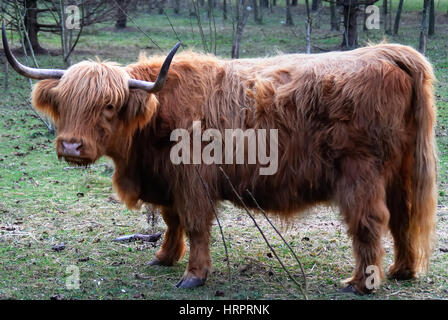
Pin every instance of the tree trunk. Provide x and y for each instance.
(161, 6)
(316, 4)
(364, 22)
(264, 3)
(334, 17)
(241, 15)
(176, 6)
(224, 9)
(294, 3)
(121, 14)
(432, 18)
(384, 16)
(308, 27)
(389, 29)
(423, 28)
(191, 9)
(209, 8)
(32, 28)
(398, 16)
(289, 21)
(256, 9)
(350, 36)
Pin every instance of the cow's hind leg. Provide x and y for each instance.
(398, 201)
(173, 247)
(361, 197)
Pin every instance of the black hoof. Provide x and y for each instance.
(189, 283)
(155, 262)
(349, 289)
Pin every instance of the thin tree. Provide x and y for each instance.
(122, 16)
(424, 27)
(316, 4)
(209, 8)
(316, 7)
(289, 21)
(334, 21)
(257, 9)
(351, 8)
(385, 15)
(31, 25)
(224, 9)
(176, 6)
(389, 31)
(398, 16)
(241, 14)
(309, 23)
(161, 6)
(198, 18)
(432, 18)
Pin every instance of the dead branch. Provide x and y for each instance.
(281, 237)
(262, 234)
(48, 125)
(138, 236)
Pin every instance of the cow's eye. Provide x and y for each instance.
(109, 107)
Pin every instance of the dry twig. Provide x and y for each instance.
(281, 236)
(262, 234)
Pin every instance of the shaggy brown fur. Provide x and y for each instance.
(356, 129)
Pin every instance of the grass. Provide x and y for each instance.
(44, 202)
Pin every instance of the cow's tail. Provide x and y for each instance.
(424, 175)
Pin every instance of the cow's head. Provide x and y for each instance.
(95, 105)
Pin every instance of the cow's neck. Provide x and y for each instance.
(141, 173)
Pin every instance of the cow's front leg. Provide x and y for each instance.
(199, 262)
(173, 247)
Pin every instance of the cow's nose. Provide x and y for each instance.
(71, 148)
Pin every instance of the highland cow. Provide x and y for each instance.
(355, 130)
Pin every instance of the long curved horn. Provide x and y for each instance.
(28, 72)
(161, 78)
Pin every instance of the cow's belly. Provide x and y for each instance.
(288, 199)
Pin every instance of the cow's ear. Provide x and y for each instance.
(139, 109)
(44, 97)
